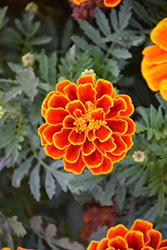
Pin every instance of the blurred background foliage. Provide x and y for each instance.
(38, 199)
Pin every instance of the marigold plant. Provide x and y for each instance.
(18, 248)
(140, 236)
(87, 125)
(108, 3)
(154, 63)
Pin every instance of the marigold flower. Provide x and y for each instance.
(18, 248)
(107, 3)
(140, 236)
(154, 63)
(87, 125)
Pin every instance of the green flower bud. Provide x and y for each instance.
(28, 60)
(32, 6)
(138, 156)
(1, 112)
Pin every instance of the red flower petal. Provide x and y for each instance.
(45, 103)
(154, 54)
(104, 87)
(131, 126)
(40, 131)
(135, 239)
(163, 89)
(119, 230)
(91, 135)
(68, 122)
(54, 152)
(86, 93)
(118, 106)
(154, 239)
(75, 167)
(97, 114)
(120, 145)
(73, 105)
(163, 243)
(49, 132)
(72, 153)
(88, 147)
(85, 79)
(118, 243)
(71, 91)
(57, 101)
(103, 244)
(111, 3)
(143, 226)
(105, 102)
(60, 139)
(130, 108)
(103, 133)
(61, 85)
(116, 158)
(106, 146)
(105, 168)
(93, 245)
(128, 140)
(118, 125)
(77, 138)
(55, 116)
(93, 160)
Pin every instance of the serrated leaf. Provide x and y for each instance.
(102, 22)
(40, 40)
(2, 15)
(158, 119)
(16, 68)
(141, 12)
(152, 213)
(120, 195)
(114, 19)
(20, 26)
(34, 28)
(52, 66)
(161, 201)
(162, 101)
(109, 191)
(34, 182)
(50, 186)
(159, 2)
(113, 67)
(28, 82)
(36, 224)
(99, 234)
(81, 43)
(87, 180)
(142, 111)
(50, 231)
(21, 171)
(66, 244)
(16, 226)
(121, 53)
(140, 127)
(7, 137)
(63, 179)
(12, 93)
(43, 65)
(67, 32)
(125, 14)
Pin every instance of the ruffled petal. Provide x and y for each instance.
(72, 153)
(88, 147)
(118, 125)
(93, 245)
(120, 145)
(103, 133)
(105, 102)
(105, 168)
(77, 138)
(154, 54)
(142, 226)
(135, 240)
(40, 131)
(104, 87)
(128, 140)
(129, 106)
(55, 116)
(60, 139)
(86, 78)
(116, 158)
(91, 135)
(111, 3)
(97, 114)
(61, 85)
(68, 122)
(57, 101)
(131, 128)
(106, 146)
(54, 152)
(49, 132)
(158, 34)
(86, 93)
(163, 243)
(102, 244)
(145, 69)
(118, 106)
(71, 91)
(73, 105)
(163, 89)
(118, 243)
(45, 103)
(93, 160)
(119, 230)
(75, 167)
(154, 239)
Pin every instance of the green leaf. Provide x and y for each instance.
(113, 67)
(74, 217)
(109, 191)
(20, 26)
(142, 13)
(143, 112)
(125, 14)
(12, 93)
(99, 234)
(7, 137)
(114, 19)
(50, 186)
(28, 82)
(52, 66)
(161, 200)
(16, 226)
(16, 68)
(2, 15)
(34, 182)
(159, 2)
(162, 101)
(152, 214)
(63, 178)
(120, 195)
(121, 53)
(34, 28)
(40, 40)
(21, 171)
(64, 243)
(102, 22)
(43, 66)
(81, 43)
(67, 32)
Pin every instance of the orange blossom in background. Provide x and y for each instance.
(107, 3)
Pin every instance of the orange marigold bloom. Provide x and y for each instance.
(87, 125)
(18, 248)
(154, 63)
(107, 3)
(141, 236)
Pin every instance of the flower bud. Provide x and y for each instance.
(1, 112)
(89, 72)
(28, 60)
(138, 156)
(32, 6)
